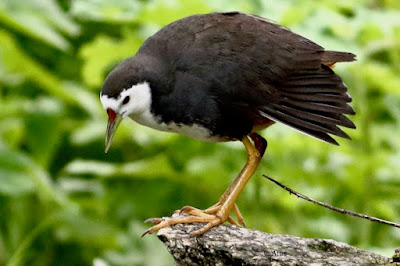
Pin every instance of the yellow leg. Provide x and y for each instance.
(219, 213)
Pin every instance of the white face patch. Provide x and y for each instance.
(138, 108)
(139, 100)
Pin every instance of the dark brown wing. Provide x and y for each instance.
(311, 98)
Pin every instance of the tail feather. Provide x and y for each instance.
(331, 57)
(314, 103)
(316, 107)
(320, 97)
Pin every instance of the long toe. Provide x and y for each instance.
(216, 221)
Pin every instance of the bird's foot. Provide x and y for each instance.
(213, 210)
(200, 217)
(209, 216)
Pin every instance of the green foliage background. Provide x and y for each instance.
(64, 202)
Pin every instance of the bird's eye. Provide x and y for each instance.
(126, 100)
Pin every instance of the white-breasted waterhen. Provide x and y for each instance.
(223, 77)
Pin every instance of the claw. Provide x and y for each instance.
(146, 232)
(154, 220)
(243, 223)
(186, 209)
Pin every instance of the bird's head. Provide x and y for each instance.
(125, 92)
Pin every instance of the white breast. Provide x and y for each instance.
(194, 131)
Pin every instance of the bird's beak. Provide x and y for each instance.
(113, 122)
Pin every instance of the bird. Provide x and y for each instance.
(225, 76)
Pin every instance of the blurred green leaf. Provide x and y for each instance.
(112, 11)
(166, 11)
(375, 73)
(15, 60)
(77, 227)
(90, 131)
(143, 168)
(39, 19)
(12, 131)
(43, 126)
(15, 173)
(368, 33)
(14, 183)
(94, 68)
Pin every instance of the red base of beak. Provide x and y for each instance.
(111, 115)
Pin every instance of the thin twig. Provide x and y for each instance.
(374, 219)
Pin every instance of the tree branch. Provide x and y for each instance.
(333, 208)
(232, 245)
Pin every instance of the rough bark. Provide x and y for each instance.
(231, 245)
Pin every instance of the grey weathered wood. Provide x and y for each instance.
(231, 245)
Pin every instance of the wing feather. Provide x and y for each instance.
(313, 103)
